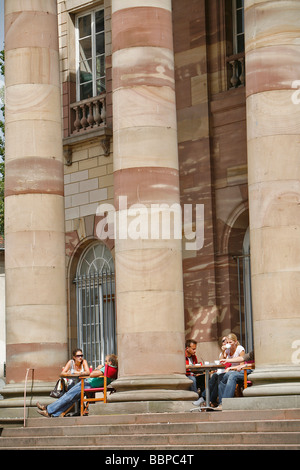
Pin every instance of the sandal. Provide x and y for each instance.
(41, 407)
(44, 413)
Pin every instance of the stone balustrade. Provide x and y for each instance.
(89, 113)
(236, 70)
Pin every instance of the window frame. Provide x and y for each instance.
(93, 55)
(95, 303)
(235, 34)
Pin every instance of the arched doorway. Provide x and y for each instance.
(95, 303)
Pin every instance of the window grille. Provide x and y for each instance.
(245, 295)
(245, 304)
(95, 297)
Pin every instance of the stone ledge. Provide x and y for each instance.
(137, 407)
(281, 402)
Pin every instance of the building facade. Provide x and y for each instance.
(212, 160)
(178, 169)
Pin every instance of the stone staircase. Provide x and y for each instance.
(183, 431)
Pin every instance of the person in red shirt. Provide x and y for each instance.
(190, 359)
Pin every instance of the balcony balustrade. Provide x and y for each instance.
(88, 118)
(236, 70)
(89, 113)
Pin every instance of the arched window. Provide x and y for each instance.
(95, 299)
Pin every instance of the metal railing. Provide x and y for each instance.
(25, 392)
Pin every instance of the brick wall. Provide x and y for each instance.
(89, 179)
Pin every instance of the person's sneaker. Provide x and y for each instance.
(198, 402)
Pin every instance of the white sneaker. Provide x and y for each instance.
(198, 402)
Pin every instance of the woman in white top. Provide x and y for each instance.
(234, 351)
(75, 367)
(235, 355)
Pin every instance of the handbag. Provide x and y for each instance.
(59, 389)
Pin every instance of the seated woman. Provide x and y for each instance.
(234, 376)
(236, 356)
(75, 367)
(95, 380)
(234, 352)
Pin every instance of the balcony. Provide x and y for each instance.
(89, 114)
(236, 70)
(88, 122)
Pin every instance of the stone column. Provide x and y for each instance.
(272, 32)
(34, 209)
(150, 320)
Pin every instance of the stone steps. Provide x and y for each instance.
(160, 441)
(257, 430)
(159, 428)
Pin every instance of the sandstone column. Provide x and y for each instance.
(34, 233)
(150, 322)
(272, 31)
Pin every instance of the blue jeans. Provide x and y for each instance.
(193, 386)
(213, 387)
(228, 383)
(197, 382)
(64, 402)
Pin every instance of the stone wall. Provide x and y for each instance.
(213, 168)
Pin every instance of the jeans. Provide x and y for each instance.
(228, 383)
(193, 386)
(213, 387)
(198, 381)
(64, 402)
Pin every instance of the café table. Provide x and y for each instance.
(207, 368)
